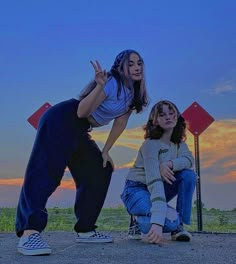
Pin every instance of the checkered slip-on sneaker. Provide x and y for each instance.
(33, 245)
(93, 237)
(181, 235)
(134, 231)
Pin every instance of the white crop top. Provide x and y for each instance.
(112, 106)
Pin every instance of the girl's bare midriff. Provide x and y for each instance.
(93, 122)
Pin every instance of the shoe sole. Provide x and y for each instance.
(135, 237)
(89, 240)
(34, 252)
(182, 238)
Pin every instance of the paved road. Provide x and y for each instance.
(203, 249)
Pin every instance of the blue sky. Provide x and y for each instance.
(45, 48)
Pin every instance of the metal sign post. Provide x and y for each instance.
(198, 183)
(197, 121)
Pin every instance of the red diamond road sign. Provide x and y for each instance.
(34, 118)
(197, 119)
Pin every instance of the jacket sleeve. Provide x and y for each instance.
(184, 159)
(149, 152)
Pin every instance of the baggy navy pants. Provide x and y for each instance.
(63, 140)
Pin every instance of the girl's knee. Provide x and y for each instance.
(136, 200)
(139, 210)
(188, 176)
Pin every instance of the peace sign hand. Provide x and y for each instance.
(100, 75)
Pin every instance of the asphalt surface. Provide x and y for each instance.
(203, 249)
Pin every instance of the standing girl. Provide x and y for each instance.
(161, 171)
(63, 140)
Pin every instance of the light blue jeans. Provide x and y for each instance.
(136, 199)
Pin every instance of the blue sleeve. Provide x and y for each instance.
(110, 87)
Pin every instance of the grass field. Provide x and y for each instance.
(117, 219)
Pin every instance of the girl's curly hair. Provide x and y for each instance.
(154, 131)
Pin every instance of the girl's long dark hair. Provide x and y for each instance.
(140, 98)
(154, 131)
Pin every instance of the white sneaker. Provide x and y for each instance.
(93, 237)
(33, 245)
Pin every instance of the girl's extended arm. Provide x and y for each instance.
(90, 103)
(118, 127)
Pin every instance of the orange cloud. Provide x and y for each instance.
(126, 165)
(65, 184)
(131, 138)
(218, 151)
(228, 177)
(15, 182)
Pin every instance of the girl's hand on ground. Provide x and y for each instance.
(155, 235)
(100, 75)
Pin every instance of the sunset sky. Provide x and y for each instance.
(189, 52)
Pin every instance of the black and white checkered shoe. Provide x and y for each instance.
(33, 245)
(134, 230)
(93, 237)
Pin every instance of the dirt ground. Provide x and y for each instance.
(204, 248)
